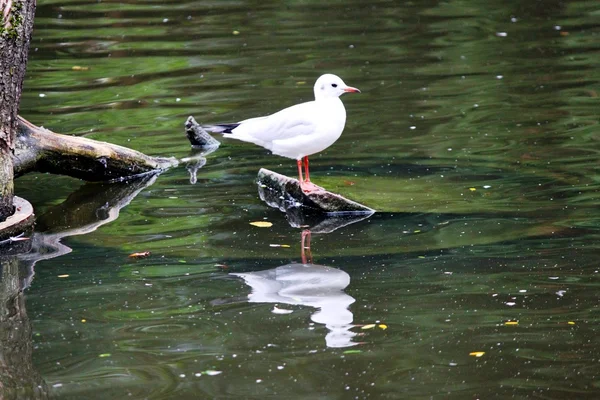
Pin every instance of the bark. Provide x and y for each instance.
(198, 137)
(38, 149)
(16, 25)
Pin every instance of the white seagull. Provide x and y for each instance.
(297, 131)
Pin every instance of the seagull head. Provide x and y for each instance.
(330, 86)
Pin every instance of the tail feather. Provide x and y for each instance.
(221, 128)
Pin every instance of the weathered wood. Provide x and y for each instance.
(198, 137)
(16, 25)
(15, 227)
(285, 193)
(38, 149)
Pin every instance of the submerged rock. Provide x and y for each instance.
(284, 193)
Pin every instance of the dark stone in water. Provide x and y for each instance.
(198, 137)
(321, 210)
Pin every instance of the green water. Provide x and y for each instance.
(475, 138)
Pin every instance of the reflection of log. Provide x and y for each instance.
(285, 193)
(91, 206)
(38, 149)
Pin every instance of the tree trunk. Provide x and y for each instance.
(16, 25)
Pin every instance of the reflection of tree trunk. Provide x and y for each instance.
(16, 25)
(91, 206)
(85, 210)
(18, 379)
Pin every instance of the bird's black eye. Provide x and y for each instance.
(334, 85)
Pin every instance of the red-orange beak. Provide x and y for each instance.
(350, 89)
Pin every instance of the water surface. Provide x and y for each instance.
(475, 138)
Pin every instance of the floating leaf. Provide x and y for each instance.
(84, 321)
(277, 310)
(352, 351)
(63, 276)
(262, 224)
(287, 246)
(104, 355)
(140, 254)
(477, 353)
(212, 372)
(369, 326)
(571, 323)
(79, 68)
(236, 32)
(511, 323)
(382, 326)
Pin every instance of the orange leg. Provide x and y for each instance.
(306, 174)
(299, 162)
(306, 185)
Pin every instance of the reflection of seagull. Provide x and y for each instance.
(310, 285)
(297, 131)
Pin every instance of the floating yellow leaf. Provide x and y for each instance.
(511, 323)
(262, 224)
(477, 353)
(141, 254)
(79, 68)
(285, 245)
(64, 276)
(472, 189)
(571, 323)
(104, 355)
(84, 321)
(383, 326)
(369, 326)
(236, 32)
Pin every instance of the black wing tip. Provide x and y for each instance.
(228, 127)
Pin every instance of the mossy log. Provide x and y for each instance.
(283, 192)
(41, 150)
